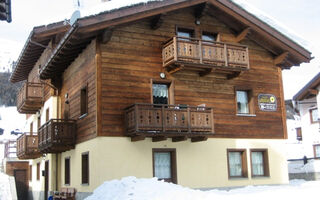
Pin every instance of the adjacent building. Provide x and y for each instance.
(189, 91)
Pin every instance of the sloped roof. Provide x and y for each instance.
(309, 89)
(87, 28)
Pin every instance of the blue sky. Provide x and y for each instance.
(301, 16)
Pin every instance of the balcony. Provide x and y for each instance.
(160, 122)
(205, 56)
(57, 135)
(10, 149)
(30, 98)
(27, 146)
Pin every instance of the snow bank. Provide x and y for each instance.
(131, 188)
(5, 190)
(299, 167)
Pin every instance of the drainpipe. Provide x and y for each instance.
(56, 171)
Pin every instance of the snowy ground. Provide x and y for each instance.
(5, 192)
(131, 188)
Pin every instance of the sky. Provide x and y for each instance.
(300, 16)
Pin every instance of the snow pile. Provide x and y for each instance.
(131, 188)
(299, 167)
(5, 190)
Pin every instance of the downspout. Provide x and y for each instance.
(56, 171)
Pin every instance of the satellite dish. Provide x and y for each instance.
(75, 15)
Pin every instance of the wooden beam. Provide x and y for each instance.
(159, 138)
(206, 72)
(200, 10)
(233, 75)
(178, 68)
(106, 35)
(313, 91)
(199, 139)
(243, 34)
(157, 21)
(281, 58)
(137, 138)
(179, 138)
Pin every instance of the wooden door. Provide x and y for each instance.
(20, 176)
(46, 179)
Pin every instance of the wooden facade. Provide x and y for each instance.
(101, 66)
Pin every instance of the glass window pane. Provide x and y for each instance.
(208, 37)
(242, 102)
(160, 93)
(314, 115)
(162, 165)
(235, 164)
(317, 150)
(257, 163)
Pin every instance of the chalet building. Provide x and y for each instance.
(189, 91)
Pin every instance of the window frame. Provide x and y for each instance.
(244, 166)
(191, 30)
(215, 36)
(251, 104)
(47, 114)
(31, 128)
(30, 172)
(299, 133)
(67, 171)
(38, 171)
(85, 174)
(266, 170)
(315, 150)
(84, 101)
(173, 161)
(311, 118)
(170, 84)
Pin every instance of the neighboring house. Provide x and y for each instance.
(188, 91)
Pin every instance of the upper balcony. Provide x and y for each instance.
(30, 98)
(178, 122)
(27, 146)
(57, 135)
(205, 56)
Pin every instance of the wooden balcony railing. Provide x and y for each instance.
(10, 149)
(30, 98)
(27, 146)
(204, 56)
(57, 135)
(178, 122)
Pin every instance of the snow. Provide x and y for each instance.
(132, 188)
(299, 167)
(5, 190)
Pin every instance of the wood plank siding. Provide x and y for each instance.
(133, 57)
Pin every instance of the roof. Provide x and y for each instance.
(309, 90)
(86, 28)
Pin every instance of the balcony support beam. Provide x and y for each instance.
(159, 138)
(243, 34)
(137, 138)
(199, 139)
(179, 139)
(206, 72)
(281, 58)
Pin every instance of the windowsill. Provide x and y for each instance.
(67, 184)
(260, 177)
(83, 116)
(238, 178)
(246, 115)
(85, 184)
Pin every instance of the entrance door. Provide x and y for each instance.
(20, 176)
(46, 179)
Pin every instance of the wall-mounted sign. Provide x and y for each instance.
(267, 102)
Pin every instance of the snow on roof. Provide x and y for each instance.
(146, 189)
(278, 26)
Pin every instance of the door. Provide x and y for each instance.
(46, 179)
(20, 176)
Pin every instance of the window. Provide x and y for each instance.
(259, 162)
(316, 149)
(164, 164)
(31, 127)
(299, 134)
(38, 171)
(47, 114)
(237, 163)
(209, 36)
(185, 33)
(85, 168)
(67, 171)
(84, 101)
(30, 172)
(244, 101)
(314, 115)
(39, 121)
(162, 92)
